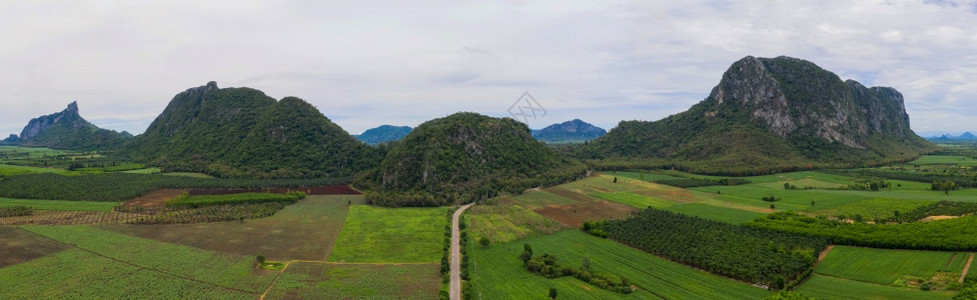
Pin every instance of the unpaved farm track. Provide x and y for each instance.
(455, 287)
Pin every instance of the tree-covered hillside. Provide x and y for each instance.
(68, 130)
(768, 115)
(241, 132)
(463, 158)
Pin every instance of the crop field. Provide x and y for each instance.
(9, 170)
(391, 235)
(502, 223)
(77, 274)
(305, 230)
(18, 246)
(715, 212)
(823, 287)
(222, 269)
(59, 204)
(498, 273)
(889, 266)
(958, 160)
(357, 281)
(875, 208)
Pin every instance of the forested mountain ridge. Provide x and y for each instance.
(462, 158)
(241, 132)
(67, 130)
(574, 131)
(765, 115)
(384, 134)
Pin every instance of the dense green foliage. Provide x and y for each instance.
(462, 158)
(547, 265)
(697, 182)
(124, 186)
(756, 255)
(14, 211)
(942, 208)
(68, 130)
(241, 132)
(500, 274)
(207, 213)
(252, 198)
(384, 134)
(726, 134)
(948, 235)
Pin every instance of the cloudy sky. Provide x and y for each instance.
(368, 63)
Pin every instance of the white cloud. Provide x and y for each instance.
(366, 64)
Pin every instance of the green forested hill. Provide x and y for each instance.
(241, 132)
(384, 134)
(462, 158)
(68, 130)
(767, 115)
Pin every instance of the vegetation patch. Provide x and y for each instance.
(390, 235)
(77, 274)
(357, 281)
(766, 257)
(245, 198)
(18, 246)
(547, 265)
(958, 234)
(502, 223)
(305, 230)
(824, 287)
(889, 266)
(227, 270)
(497, 272)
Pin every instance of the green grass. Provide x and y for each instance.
(635, 200)
(823, 287)
(10, 170)
(234, 271)
(871, 209)
(59, 204)
(886, 266)
(498, 273)
(507, 222)
(76, 274)
(716, 213)
(143, 171)
(391, 235)
(357, 281)
(944, 160)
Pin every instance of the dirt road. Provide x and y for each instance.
(456, 254)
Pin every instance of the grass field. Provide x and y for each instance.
(498, 273)
(227, 270)
(76, 274)
(391, 235)
(823, 287)
(716, 213)
(502, 223)
(944, 160)
(18, 246)
(305, 230)
(871, 209)
(357, 281)
(59, 204)
(9, 170)
(888, 266)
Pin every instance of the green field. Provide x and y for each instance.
(888, 266)
(9, 170)
(498, 274)
(715, 213)
(77, 274)
(59, 204)
(871, 209)
(507, 222)
(635, 200)
(357, 281)
(215, 268)
(823, 287)
(944, 160)
(391, 235)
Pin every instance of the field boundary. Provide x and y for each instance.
(966, 268)
(73, 246)
(322, 262)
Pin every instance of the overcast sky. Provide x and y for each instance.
(364, 64)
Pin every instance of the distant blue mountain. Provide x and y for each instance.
(383, 134)
(575, 131)
(966, 136)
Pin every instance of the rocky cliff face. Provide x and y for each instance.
(69, 116)
(781, 111)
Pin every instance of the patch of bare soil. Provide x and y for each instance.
(574, 215)
(154, 199)
(19, 246)
(937, 218)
